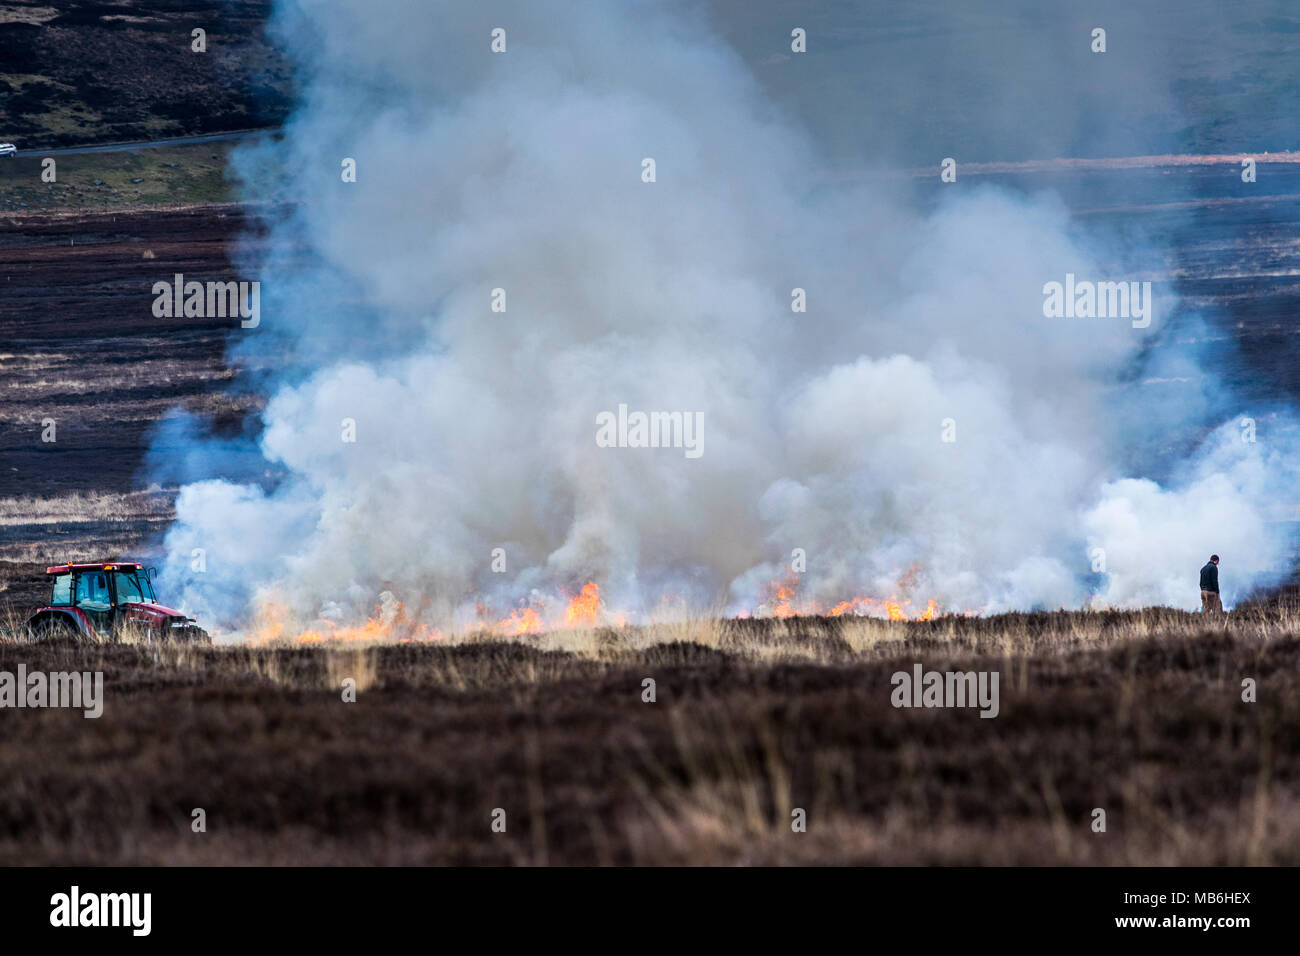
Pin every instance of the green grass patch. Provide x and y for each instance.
(164, 176)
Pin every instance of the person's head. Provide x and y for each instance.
(1214, 559)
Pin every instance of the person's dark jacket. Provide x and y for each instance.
(1210, 577)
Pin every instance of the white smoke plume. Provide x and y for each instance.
(822, 430)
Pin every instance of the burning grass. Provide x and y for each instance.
(827, 639)
(584, 610)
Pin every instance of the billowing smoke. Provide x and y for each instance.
(921, 431)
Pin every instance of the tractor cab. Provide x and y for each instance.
(104, 593)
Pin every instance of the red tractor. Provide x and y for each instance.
(109, 602)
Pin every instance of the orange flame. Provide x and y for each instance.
(389, 622)
(857, 605)
(778, 599)
(524, 620)
(584, 608)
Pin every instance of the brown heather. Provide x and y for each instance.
(1139, 713)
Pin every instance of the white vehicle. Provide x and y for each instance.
(8, 149)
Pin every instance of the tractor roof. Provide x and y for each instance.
(101, 566)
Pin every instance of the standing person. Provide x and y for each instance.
(1210, 586)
